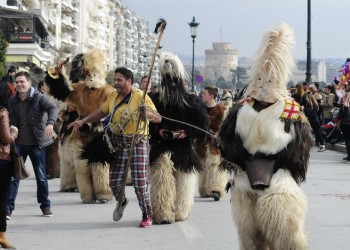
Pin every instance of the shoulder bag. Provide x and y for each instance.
(19, 169)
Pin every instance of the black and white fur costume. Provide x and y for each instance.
(86, 91)
(174, 163)
(257, 128)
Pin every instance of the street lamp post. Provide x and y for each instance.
(308, 43)
(193, 26)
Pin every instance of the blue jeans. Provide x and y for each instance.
(37, 156)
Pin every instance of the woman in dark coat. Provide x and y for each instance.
(344, 116)
(7, 136)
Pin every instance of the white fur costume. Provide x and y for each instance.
(68, 182)
(211, 178)
(268, 126)
(174, 162)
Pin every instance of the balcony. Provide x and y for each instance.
(66, 39)
(98, 14)
(101, 27)
(67, 22)
(43, 13)
(101, 41)
(22, 37)
(37, 53)
(92, 26)
(67, 6)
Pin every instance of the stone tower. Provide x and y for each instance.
(219, 61)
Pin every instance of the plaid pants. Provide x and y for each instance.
(138, 167)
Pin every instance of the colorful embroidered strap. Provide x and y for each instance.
(291, 110)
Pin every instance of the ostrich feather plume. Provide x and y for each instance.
(273, 65)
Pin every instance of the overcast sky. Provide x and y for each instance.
(243, 23)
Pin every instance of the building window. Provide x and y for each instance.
(12, 3)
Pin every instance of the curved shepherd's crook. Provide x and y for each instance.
(160, 27)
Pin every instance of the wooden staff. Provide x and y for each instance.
(160, 27)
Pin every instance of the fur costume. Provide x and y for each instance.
(52, 158)
(226, 100)
(268, 127)
(174, 162)
(68, 182)
(212, 179)
(87, 93)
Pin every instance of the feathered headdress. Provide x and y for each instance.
(273, 65)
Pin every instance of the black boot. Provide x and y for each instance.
(347, 145)
(215, 195)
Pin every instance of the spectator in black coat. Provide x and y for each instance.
(344, 117)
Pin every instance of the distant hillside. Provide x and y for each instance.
(187, 59)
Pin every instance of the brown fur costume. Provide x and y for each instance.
(87, 93)
(174, 162)
(52, 160)
(269, 127)
(211, 179)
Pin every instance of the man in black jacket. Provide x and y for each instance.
(34, 116)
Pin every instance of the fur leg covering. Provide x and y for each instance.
(274, 217)
(100, 180)
(185, 189)
(243, 209)
(202, 181)
(84, 180)
(52, 160)
(163, 190)
(68, 181)
(212, 178)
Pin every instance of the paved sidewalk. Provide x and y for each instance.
(339, 147)
(80, 226)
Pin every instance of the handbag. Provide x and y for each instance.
(19, 169)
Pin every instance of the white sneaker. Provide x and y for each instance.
(322, 148)
(119, 210)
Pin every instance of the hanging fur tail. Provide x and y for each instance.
(4, 242)
(273, 65)
(97, 150)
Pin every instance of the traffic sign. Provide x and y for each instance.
(198, 79)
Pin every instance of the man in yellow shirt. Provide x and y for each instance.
(124, 104)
